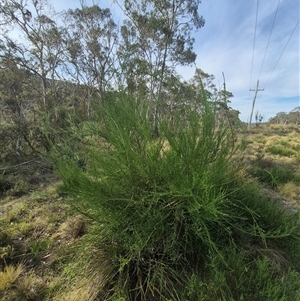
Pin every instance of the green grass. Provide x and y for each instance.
(296, 148)
(39, 234)
(275, 175)
(260, 139)
(280, 150)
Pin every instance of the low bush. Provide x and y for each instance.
(5, 185)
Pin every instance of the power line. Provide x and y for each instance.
(282, 52)
(254, 43)
(269, 38)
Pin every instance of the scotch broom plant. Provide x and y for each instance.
(168, 209)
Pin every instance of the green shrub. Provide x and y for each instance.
(171, 210)
(20, 188)
(5, 185)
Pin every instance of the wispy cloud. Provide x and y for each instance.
(225, 44)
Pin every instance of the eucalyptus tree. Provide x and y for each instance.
(294, 116)
(207, 80)
(33, 41)
(91, 40)
(136, 61)
(219, 97)
(160, 33)
(39, 47)
(15, 101)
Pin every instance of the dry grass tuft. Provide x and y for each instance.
(290, 190)
(82, 293)
(14, 211)
(29, 287)
(83, 288)
(72, 228)
(276, 258)
(9, 276)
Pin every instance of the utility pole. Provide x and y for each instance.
(253, 104)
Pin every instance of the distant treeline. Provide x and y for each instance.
(293, 117)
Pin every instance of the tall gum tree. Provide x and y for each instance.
(15, 101)
(91, 41)
(40, 48)
(218, 97)
(163, 36)
(31, 54)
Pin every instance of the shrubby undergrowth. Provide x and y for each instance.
(175, 219)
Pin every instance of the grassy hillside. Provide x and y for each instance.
(272, 157)
(47, 249)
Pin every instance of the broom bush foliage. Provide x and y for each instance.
(173, 217)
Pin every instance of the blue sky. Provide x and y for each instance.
(225, 44)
